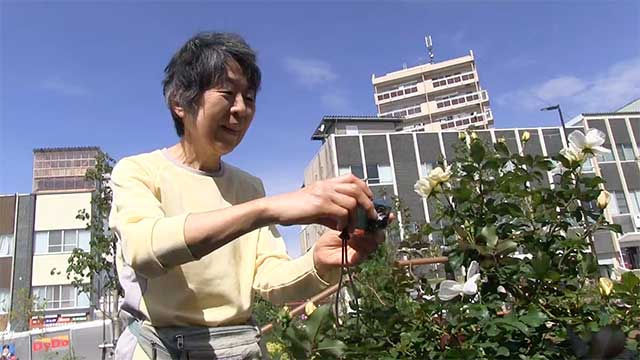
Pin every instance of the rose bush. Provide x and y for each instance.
(523, 281)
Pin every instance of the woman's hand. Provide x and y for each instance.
(331, 202)
(328, 249)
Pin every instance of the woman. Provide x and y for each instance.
(197, 235)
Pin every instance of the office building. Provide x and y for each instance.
(435, 96)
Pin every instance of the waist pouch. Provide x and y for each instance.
(237, 342)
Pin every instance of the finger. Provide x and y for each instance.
(350, 178)
(348, 203)
(363, 200)
(363, 242)
(339, 215)
(392, 217)
(355, 257)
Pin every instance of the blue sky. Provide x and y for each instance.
(78, 74)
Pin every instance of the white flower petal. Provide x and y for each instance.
(474, 269)
(578, 139)
(594, 138)
(423, 187)
(599, 150)
(449, 289)
(470, 288)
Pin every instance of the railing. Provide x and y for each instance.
(461, 99)
(333, 289)
(404, 112)
(401, 91)
(453, 79)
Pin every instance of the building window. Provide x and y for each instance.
(379, 174)
(635, 201)
(606, 157)
(4, 300)
(625, 152)
(587, 166)
(61, 241)
(425, 169)
(618, 204)
(352, 129)
(352, 169)
(55, 297)
(6, 245)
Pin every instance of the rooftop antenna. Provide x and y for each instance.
(429, 43)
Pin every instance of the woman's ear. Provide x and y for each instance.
(178, 110)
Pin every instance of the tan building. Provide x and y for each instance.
(62, 169)
(38, 232)
(442, 95)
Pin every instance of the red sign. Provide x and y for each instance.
(56, 320)
(46, 343)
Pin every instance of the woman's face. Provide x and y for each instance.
(223, 115)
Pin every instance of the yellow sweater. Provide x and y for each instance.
(163, 282)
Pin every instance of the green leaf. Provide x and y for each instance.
(510, 321)
(630, 280)
(506, 208)
(491, 330)
(589, 264)
(534, 317)
(331, 347)
(462, 194)
(616, 228)
(564, 161)
(546, 165)
(506, 245)
(317, 321)
(489, 234)
(469, 168)
(491, 164)
(300, 343)
(502, 351)
(541, 264)
(477, 151)
(501, 148)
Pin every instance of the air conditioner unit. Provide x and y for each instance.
(636, 220)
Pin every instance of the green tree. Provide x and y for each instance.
(98, 264)
(25, 307)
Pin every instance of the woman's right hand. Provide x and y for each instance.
(332, 202)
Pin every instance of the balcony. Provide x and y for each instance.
(458, 101)
(452, 81)
(399, 93)
(463, 122)
(408, 112)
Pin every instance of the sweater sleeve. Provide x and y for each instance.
(278, 278)
(151, 242)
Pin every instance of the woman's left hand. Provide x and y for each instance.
(328, 249)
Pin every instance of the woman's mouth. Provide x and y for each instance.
(230, 130)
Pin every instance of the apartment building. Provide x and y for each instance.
(437, 96)
(38, 231)
(391, 161)
(621, 170)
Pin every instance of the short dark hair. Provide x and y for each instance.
(202, 63)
